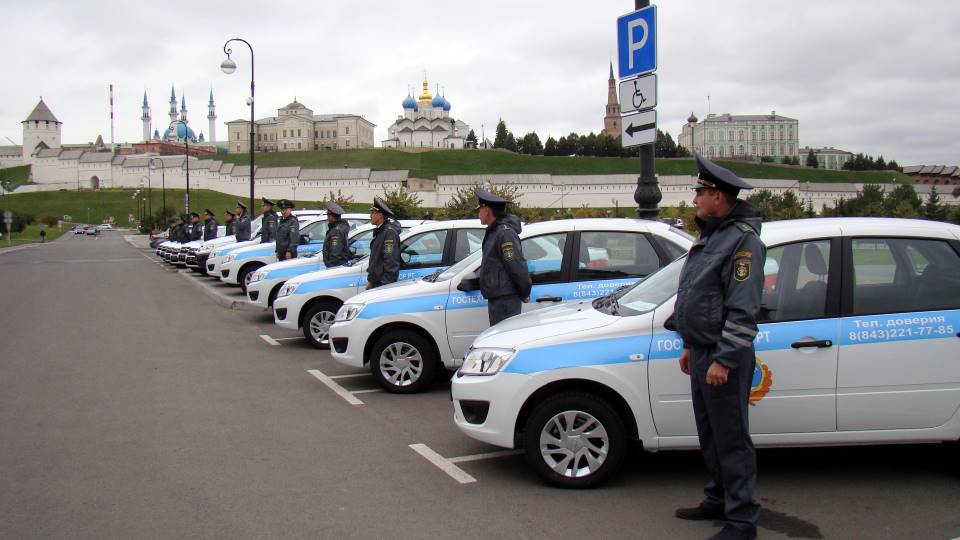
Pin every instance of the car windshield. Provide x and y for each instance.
(643, 296)
(459, 267)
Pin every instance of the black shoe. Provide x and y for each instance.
(729, 532)
(699, 513)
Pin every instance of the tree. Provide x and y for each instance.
(956, 192)
(903, 202)
(607, 145)
(879, 164)
(812, 159)
(664, 146)
(511, 142)
(472, 138)
(405, 205)
(564, 148)
(934, 209)
(892, 165)
(809, 211)
(531, 144)
(501, 139)
(682, 151)
(340, 198)
(463, 203)
(588, 145)
(550, 147)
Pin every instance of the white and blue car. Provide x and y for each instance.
(858, 343)
(405, 334)
(311, 301)
(265, 283)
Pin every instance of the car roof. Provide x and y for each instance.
(777, 232)
(426, 226)
(596, 224)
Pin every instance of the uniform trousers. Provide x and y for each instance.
(503, 307)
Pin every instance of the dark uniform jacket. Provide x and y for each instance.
(209, 229)
(243, 227)
(503, 271)
(288, 236)
(336, 252)
(195, 232)
(384, 264)
(268, 231)
(720, 287)
(231, 227)
(181, 233)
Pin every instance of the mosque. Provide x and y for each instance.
(178, 130)
(426, 123)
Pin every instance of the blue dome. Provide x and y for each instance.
(446, 105)
(180, 132)
(437, 101)
(409, 103)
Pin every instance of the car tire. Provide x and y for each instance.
(317, 321)
(403, 362)
(574, 462)
(245, 274)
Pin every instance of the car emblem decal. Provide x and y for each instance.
(761, 383)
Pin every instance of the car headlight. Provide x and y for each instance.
(214, 254)
(257, 276)
(485, 361)
(348, 312)
(287, 289)
(229, 258)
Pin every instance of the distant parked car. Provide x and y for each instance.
(91, 231)
(105, 227)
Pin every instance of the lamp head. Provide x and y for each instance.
(228, 66)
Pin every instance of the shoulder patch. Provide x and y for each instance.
(506, 251)
(742, 266)
(388, 246)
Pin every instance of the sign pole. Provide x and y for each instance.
(647, 195)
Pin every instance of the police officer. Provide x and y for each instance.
(336, 252)
(209, 225)
(172, 229)
(243, 223)
(288, 232)
(229, 223)
(269, 226)
(195, 232)
(183, 229)
(384, 264)
(504, 278)
(715, 313)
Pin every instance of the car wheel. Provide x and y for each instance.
(403, 362)
(246, 273)
(316, 323)
(574, 440)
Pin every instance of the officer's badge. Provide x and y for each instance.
(761, 383)
(388, 246)
(506, 249)
(741, 266)
(335, 241)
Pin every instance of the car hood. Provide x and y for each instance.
(326, 273)
(219, 241)
(265, 246)
(293, 267)
(553, 322)
(401, 289)
(239, 245)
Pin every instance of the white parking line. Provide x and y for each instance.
(331, 384)
(369, 391)
(367, 374)
(443, 464)
(270, 340)
(489, 455)
(288, 338)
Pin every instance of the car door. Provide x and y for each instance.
(899, 349)
(794, 376)
(422, 254)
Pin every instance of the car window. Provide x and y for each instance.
(468, 241)
(356, 222)
(612, 255)
(360, 244)
(423, 250)
(893, 275)
(795, 282)
(674, 251)
(544, 255)
(315, 231)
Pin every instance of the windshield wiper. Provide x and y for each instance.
(609, 303)
(433, 277)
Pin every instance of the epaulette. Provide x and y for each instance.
(745, 228)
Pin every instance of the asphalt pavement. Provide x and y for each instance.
(133, 404)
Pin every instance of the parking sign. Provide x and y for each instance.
(637, 42)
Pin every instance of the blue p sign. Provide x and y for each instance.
(637, 42)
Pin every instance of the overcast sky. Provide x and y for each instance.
(879, 77)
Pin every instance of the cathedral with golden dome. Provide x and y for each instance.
(426, 123)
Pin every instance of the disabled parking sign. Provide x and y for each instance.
(637, 42)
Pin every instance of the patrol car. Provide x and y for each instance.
(858, 343)
(238, 267)
(216, 256)
(311, 301)
(266, 282)
(406, 334)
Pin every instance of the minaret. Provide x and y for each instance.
(173, 106)
(183, 108)
(212, 118)
(611, 121)
(146, 118)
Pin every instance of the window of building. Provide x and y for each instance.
(730, 135)
(314, 134)
(742, 151)
(334, 133)
(740, 135)
(753, 150)
(284, 146)
(236, 135)
(348, 142)
(299, 146)
(348, 130)
(298, 133)
(284, 133)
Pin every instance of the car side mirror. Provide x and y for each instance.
(470, 282)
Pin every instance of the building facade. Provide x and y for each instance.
(296, 128)
(426, 123)
(827, 158)
(611, 119)
(40, 130)
(934, 174)
(752, 136)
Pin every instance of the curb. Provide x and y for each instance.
(223, 300)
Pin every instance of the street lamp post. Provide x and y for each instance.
(149, 198)
(186, 155)
(228, 66)
(163, 180)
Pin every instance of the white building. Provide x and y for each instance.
(296, 128)
(426, 123)
(827, 158)
(749, 136)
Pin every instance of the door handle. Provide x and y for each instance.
(549, 299)
(818, 343)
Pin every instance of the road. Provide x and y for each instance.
(133, 405)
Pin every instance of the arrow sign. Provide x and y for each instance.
(638, 94)
(638, 128)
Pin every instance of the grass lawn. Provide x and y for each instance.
(442, 162)
(31, 235)
(13, 177)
